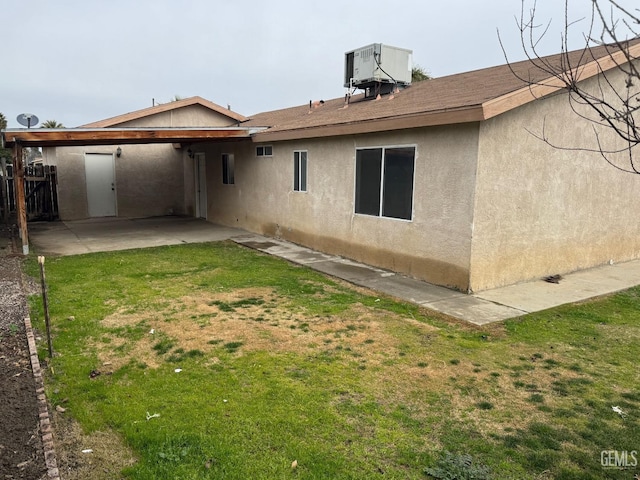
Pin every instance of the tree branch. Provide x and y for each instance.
(613, 106)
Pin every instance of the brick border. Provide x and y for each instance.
(46, 428)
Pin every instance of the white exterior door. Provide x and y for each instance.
(101, 184)
(201, 186)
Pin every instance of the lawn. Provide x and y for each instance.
(214, 361)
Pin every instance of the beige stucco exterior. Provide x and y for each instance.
(150, 180)
(493, 204)
(194, 115)
(542, 210)
(435, 245)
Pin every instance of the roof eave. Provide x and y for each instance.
(552, 84)
(427, 119)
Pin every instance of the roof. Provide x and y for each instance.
(466, 97)
(165, 107)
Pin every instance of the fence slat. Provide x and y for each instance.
(41, 196)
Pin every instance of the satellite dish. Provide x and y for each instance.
(28, 120)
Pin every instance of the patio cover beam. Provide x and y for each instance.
(69, 137)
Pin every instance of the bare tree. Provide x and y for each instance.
(607, 36)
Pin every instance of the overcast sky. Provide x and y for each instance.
(79, 61)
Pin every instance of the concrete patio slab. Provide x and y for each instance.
(109, 234)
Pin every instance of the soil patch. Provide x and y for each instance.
(21, 452)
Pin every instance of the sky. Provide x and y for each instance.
(79, 61)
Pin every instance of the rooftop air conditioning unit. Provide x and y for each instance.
(377, 65)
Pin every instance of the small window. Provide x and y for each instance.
(300, 171)
(264, 151)
(228, 176)
(384, 182)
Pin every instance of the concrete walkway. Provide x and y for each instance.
(480, 308)
(72, 238)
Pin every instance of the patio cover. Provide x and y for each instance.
(67, 137)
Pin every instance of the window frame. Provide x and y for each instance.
(261, 151)
(383, 170)
(300, 175)
(228, 169)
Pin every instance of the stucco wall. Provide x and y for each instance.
(542, 210)
(149, 180)
(434, 246)
(189, 116)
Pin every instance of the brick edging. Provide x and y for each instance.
(43, 411)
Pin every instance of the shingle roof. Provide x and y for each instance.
(470, 96)
(165, 107)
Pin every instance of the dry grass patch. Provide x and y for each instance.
(96, 456)
(616, 333)
(115, 352)
(256, 318)
(480, 390)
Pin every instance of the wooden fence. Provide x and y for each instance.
(40, 191)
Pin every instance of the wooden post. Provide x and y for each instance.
(4, 191)
(45, 303)
(21, 208)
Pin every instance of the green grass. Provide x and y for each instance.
(279, 363)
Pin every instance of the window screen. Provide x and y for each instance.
(300, 171)
(368, 174)
(264, 151)
(384, 182)
(228, 174)
(397, 192)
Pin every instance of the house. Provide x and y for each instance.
(443, 181)
(135, 180)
